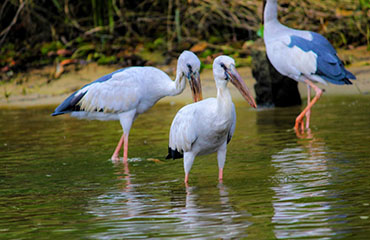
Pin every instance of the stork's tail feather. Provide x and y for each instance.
(350, 75)
(174, 154)
(56, 113)
(347, 81)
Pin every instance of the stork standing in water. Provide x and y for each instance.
(126, 93)
(303, 56)
(207, 126)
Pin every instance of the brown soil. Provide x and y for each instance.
(36, 89)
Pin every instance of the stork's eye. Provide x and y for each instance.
(223, 66)
(190, 68)
(227, 77)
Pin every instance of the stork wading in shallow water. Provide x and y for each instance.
(303, 56)
(126, 93)
(207, 126)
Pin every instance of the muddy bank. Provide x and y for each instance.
(36, 89)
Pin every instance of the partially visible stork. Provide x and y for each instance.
(126, 93)
(303, 56)
(207, 126)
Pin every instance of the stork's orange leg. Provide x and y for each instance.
(115, 155)
(308, 113)
(123, 141)
(299, 119)
(186, 179)
(220, 174)
(125, 148)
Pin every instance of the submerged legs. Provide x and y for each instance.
(188, 163)
(115, 155)
(307, 111)
(221, 158)
(126, 119)
(123, 141)
(125, 148)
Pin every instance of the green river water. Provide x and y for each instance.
(57, 180)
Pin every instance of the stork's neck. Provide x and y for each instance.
(271, 12)
(272, 27)
(224, 101)
(179, 82)
(178, 85)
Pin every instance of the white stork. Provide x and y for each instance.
(126, 93)
(207, 126)
(303, 56)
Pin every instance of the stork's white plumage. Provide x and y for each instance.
(207, 126)
(303, 56)
(126, 93)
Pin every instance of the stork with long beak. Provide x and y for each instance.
(304, 56)
(126, 93)
(207, 126)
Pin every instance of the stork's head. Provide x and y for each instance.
(188, 66)
(224, 71)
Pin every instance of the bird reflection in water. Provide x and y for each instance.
(303, 201)
(207, 220)
(136, 208)
(123, 173)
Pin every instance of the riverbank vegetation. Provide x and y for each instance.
(35, 33)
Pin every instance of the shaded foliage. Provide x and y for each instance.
(32, 32)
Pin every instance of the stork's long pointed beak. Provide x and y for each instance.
(196, 87)
(238, 82)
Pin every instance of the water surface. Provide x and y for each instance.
(56, 179)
